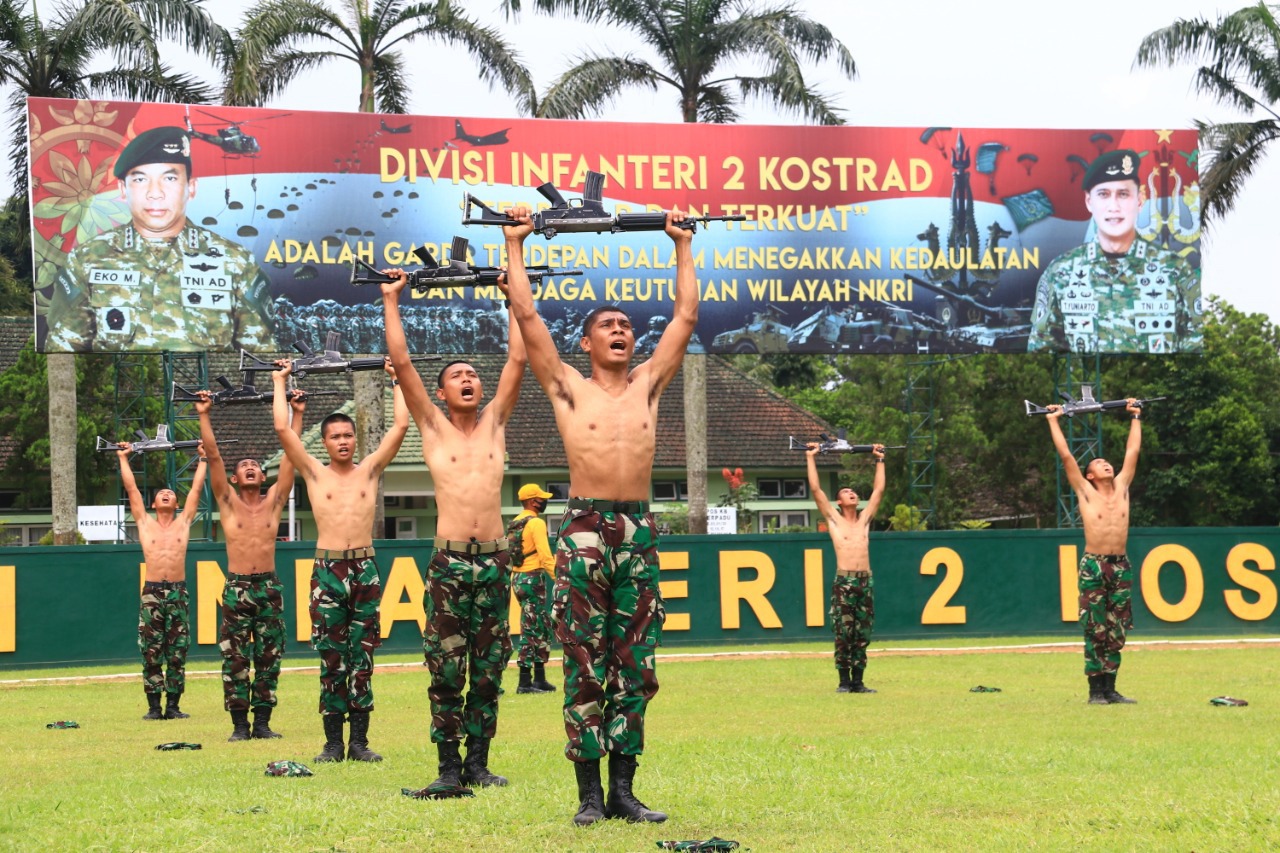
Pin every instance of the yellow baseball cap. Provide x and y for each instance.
(532, 490)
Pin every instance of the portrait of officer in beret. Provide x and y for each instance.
(1117, 293)
(160, 282)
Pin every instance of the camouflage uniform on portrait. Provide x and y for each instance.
(346, 598)
(197, 291)
(252, 631)
(466, 643)
(853, 615)
(607, 613)
(164, 636)
(1147, 301)
(1106, 610)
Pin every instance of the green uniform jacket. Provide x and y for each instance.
(194, 292)
(1146, 301)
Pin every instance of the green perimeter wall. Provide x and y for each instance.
(78, 604)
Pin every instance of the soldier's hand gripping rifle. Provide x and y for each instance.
(1086, 405)
(329, 361)
(231, 395)
(839, 444)
(586, 215)
(160, 444)
(454, 274)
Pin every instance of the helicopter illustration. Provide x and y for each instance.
(233, 141)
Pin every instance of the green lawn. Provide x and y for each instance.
(757, 749)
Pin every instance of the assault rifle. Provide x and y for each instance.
(160, 444)
(231, 395)
(329, 361)
(457, 272)
(1086, 405)
(827, 444)
(586, 215)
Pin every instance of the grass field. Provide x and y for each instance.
(759, 749)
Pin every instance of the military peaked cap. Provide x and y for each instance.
(1120, 165)
(157, 145)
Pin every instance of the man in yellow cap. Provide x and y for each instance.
(532, 564)
(161, 282)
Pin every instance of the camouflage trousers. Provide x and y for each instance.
(252, 631)
(346, 596)
(535, 616)
(466, 643)
(853, 615)
(164, 635)
(1106, 609)
(607, 613)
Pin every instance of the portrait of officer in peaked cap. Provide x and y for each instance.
(1117, 293)
(159, 282)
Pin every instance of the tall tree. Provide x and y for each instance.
(1239, 58)
(696, 45)
(283, 39)
(94, 48)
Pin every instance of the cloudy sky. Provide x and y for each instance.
(983, 63)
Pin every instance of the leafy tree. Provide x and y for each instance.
(96, 48)
(696, 45)
(283, 39)
(1240, 67)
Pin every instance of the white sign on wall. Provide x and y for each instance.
(100, 523)
(722, 519)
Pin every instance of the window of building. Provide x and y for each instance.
(559, 490)
(670, 490)
(778, 520)
(782, 489)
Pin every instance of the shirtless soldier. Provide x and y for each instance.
(1105, 578)
(468, 582)
(346, 592)
(252, 598)
(163, 632)
(853, 609)
(607, 609)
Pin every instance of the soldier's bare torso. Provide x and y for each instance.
(343, 501)
(609, 433)
(164, 546)
(465, 467)
(850, 538)
(1105, 515)
(250, 529)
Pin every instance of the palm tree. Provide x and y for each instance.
(1241, 69)
(56, 59)
(694, 42)
(283, 39)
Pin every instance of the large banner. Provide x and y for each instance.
(169, 227)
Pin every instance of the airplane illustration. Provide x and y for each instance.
(404, 128)
(498, 137)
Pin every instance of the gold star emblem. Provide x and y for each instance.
(1164, 136)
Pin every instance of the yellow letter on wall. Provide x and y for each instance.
(815, 603)
(8, 608)
(1185, 560)
(1068, 582)
(209, 584)
(1250, 552)
(401, 580)
(674, 561)
(734, 590)
(302, 598)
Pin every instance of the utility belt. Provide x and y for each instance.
(623, 507)
(1106, 558)
(349, 554)
(853, 573)
(162, 586)
(471, 548)
(233, 577)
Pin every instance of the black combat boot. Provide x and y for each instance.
(172, 711)
(332, 738)
(1109, 690)
(590, 792)
(1097, 693)
(540, 683)
(262, 724)
(526, 681)
(239, 726)
(845, 686)
(858, 686)
(358, 749)
(475, 768)
(451, 767)
(153, 708)
(622, 802)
